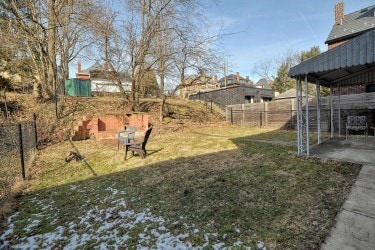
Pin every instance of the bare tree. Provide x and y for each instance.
(34, 23)
(264, 69)
(47, 31)
(77, 28)
(156, 31)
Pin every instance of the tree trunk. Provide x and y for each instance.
(135, 98)
(51, 88)
(162, 82)
(5, 104)
(37, 90)
(161, 114)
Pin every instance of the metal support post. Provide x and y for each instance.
(339, 110)
(331, 107)
(318, 120)
(307, 117)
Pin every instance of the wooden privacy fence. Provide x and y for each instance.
(282, 113)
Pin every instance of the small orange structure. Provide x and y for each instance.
(106, 127)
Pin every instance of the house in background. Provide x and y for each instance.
(239, 94)
(197, 83)
(233, 80)
(264, 84)
(345, 28)
(104, 80)
(234, 89)
(288, 95)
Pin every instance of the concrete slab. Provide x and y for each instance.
(352, 231)
(367, 174)
(361, 200)
(355, 223)
(356, 151)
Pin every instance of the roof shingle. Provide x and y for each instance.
(354, 24)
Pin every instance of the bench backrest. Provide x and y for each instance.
(358, 121)
(131, 132)
(147, 135)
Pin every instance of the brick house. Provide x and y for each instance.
(345, 28)
(233, 80)
(197, 83)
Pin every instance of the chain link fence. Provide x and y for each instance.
(18, 145)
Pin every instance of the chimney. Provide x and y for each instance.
(238, 77)
(247, 79)
(215, 78)
(339, 13)
(105, 65)
(79, 67)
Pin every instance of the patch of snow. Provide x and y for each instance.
(218, 246)
(108, 224)
(31, 226)
(261, 246)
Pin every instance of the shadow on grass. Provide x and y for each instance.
(83, 158)
(258, 192)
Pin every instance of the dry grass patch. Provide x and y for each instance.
(211, 187)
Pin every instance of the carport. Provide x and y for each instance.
(349, 64)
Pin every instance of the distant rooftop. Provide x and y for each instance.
(96, 66)
(353, 24)
(264, 83)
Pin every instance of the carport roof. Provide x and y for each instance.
(344, 63)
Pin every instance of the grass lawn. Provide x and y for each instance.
(198, 188)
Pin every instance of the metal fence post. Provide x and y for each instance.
(35, 131)
(21, 151)
(211, 105)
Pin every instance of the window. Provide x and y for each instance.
(266, 99)
(370, 88)
(249, 99)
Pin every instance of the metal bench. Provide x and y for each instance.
(356, 123)
(126, 135)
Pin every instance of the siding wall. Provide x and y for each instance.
(233, 95)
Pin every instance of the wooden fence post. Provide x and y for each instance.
(266, 114)
(231, 115)
(243, 114)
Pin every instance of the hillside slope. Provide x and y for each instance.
(177, 113)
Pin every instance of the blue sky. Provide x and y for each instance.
(267, 29)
